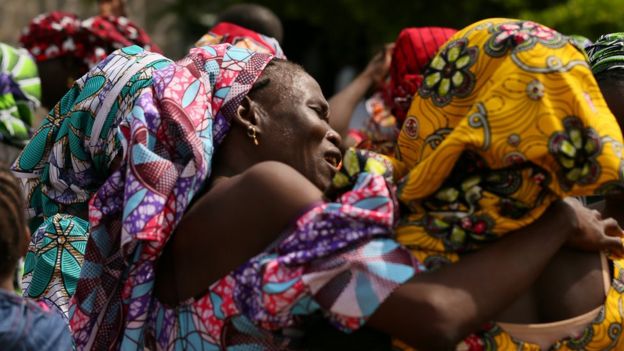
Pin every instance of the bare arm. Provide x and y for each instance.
(435, 311)
(344, 102)
(236, 220)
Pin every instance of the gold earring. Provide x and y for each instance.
(70, 82)
(251, 132)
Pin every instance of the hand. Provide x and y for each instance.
(379, 66)
(593, 233)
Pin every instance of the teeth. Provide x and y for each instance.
(332, 161)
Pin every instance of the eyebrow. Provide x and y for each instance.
(323, 105)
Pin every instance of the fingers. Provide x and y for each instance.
(612, 246)
(612, 228)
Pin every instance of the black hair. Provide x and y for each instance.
(255, 17)
(12, 222)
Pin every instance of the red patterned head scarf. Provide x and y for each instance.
(413, 50)
(61, 34)
(242, 37)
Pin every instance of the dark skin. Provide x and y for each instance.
(57, 76)
(271, 184)
(612, 90)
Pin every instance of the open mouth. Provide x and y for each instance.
(333, 159)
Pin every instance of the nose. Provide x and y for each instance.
(334, 138)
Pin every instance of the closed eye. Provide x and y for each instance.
(322, 111)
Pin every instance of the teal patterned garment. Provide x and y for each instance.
(20, 95)
(67, 159)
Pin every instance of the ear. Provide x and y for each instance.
(248, 113)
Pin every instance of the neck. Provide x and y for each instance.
(233, 157)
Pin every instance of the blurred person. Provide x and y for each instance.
(24, 324)
(116, 8)
(65, 47)
(20, 95)
(248, 26)
(404, 61)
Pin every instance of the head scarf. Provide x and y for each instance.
(508, 119)
(607, 53)
(20, 94)
(61, 34)
(414, 48)
(230, 33)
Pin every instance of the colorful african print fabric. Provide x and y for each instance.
(607, 53)
(20, 95)
(67, 160)
(61, 34)
(168, 139)
(508, 119)
(338, 259)
(230, 33)
(414, 48)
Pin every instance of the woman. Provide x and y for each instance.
(151, 171)
(508, 119)
(231, 33)
(405, 61)
(65, 47)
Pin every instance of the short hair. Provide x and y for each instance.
(276, 69)
(255, 17)
(12, 222)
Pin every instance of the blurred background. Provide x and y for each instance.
(332, 39)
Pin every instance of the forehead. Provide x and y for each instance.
(294, 86)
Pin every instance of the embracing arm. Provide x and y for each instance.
(436, 310)
(236, 220)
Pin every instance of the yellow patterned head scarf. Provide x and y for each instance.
(509, 118)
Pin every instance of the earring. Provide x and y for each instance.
(70, 82)
(251, 132)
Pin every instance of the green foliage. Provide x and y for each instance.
(325, 35)
(590, 18)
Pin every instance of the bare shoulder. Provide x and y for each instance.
(279, 182)
(232, 222)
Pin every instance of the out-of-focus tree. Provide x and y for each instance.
(325, 35)
(590, 18)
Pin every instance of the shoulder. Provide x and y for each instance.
(33, 327)
(281, 183)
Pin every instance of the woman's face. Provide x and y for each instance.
(297, 130)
